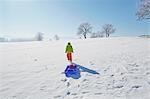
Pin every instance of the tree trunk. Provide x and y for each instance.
(85, 36)
(106, 34)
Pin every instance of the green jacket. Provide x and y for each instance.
(69, 49)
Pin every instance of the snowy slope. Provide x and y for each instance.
(34, 70)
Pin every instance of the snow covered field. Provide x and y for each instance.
(34, 70)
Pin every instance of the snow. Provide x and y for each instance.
(34, 70)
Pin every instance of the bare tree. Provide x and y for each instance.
(56, 37)
(97, 35)
(84, 29)
(39, 36)
(143, 10)
(108, 29)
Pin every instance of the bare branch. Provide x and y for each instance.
(108, 29)
(144, 10)
(84, 29)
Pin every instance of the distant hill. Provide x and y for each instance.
(145, 36)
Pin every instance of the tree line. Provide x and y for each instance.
(85, 28)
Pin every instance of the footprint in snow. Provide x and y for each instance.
(64, 80)
(134, 65)
(98, 93)
(74, 94)
(112, 75)
(5, 89)
(14, 96)
(58, 96)
(136, 86)
(85, 80)
(78, 86)
(121, 73)
(35, 59)
(68, 84)
(38, 71)
(91, 63)
(62, 72)
(121, 86)
(43, 87)
(85, 92)
(68, 93)
(107, 68)
(147, 73)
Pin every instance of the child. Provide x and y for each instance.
(69, 51)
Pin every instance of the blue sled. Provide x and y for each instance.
(73, 72)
